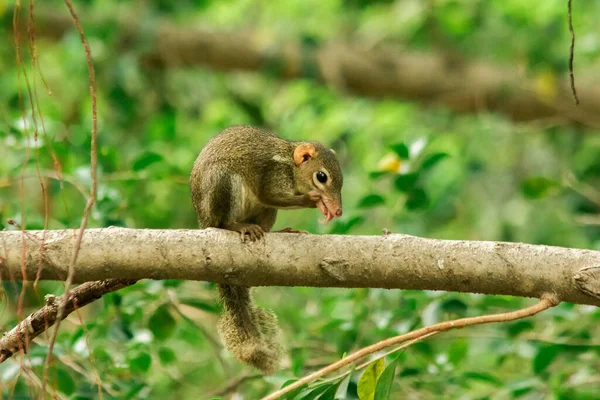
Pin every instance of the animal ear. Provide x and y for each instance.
(333, 151)
(304, 152)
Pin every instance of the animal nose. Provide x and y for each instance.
(338, 212)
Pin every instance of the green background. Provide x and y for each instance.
(477, 176)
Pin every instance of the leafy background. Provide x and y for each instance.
(409, 168)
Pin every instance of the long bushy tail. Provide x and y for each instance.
(249, 332)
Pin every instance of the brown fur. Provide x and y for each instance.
(239, 180)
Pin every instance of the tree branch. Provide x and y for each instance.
(19, 338)
(387, 71)
(284, 259)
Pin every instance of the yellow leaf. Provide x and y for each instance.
(545, 85)
(368, 380)
(390, 163)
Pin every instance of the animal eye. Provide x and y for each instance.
(321, 177)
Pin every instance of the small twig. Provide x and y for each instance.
(34, 381)
(586, 219)
(92, 198)
(92, 377)
(92, 359)
(547, 301)
(588, 191)
(8, 181)
(571, 56)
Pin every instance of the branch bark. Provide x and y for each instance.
(463, 86)
(284, 259)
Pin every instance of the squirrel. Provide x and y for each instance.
(239, 180)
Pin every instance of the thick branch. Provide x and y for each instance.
(464, 86)
(284, 259)
(22, 335)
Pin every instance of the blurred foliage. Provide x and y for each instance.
(414, 170)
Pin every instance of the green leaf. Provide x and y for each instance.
(522, 387)
(292, 395)
(371, 200)
(483, 377)
(454, 306)
(108, 157)
(544, 358)
(378, 174)
(172, 283)
(161, 323)
(76, 336)
(406, 182)
(298, 357)
(117, 299)
(134, 390)
(329, 393)
(401, 150)
(210, 306)
(341, 392)
(316, 391)
(410, 372)
(368, 380)
(538, 187)
(458, 351)
(432, 159)
(166, 355)
(145, 160)
(65, 382)
(102, 355)
(417, 199)
(384, 383)
(141, 362)
(425, 349)
(519, 327)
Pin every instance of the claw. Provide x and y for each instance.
(253, 232)
(248, 232)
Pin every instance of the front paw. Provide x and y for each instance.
(313, 195)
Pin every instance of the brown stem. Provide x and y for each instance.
(571, 55)
(546, 301)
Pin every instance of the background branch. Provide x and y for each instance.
(383, 71)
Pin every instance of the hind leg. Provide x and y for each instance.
(266, 218)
